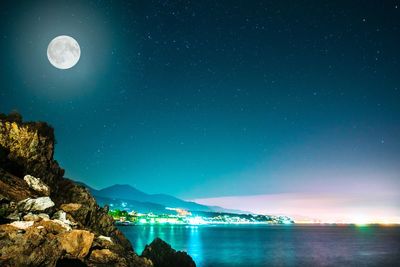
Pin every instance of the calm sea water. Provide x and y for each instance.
(280, 245)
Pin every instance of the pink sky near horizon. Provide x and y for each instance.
(325, 207)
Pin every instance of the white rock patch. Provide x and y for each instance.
(63, 224)
(37, 184)
(22, 224)
(107, 238)
(36, 204)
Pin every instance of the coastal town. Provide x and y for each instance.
(185, 217)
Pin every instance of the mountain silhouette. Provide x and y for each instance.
(123, 195)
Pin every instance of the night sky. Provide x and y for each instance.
(209, 99)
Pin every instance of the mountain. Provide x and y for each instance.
(135, 198)
(126, 204)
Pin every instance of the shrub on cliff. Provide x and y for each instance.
(42, 128)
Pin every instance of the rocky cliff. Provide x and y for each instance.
(46, 219)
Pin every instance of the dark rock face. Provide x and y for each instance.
(163, 255)
(28, 148)
(65, 228)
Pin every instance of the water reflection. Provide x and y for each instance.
(259, 246)
(195, 245)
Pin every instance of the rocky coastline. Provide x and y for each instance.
(48, 220)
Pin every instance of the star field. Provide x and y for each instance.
(204, 98)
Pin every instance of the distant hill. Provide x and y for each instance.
(123, 196)
(125, 204)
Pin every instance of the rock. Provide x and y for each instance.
(44, 216)
(89, 213)
(105, 238)
(13, 188)
(61, 217)
(53, 227)
(22, 224)
(70, 207)
(104, 256)
(163, 255)
(28, 247)
(32, 217)
(77, 242)
(28, 148)
(36, 204)
(103, 242)
(8, 211)
(37, 185)
(15, 216)
(66, 226)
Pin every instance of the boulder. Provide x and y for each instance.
(163, 255)
(37, 185)
(76, 243)
(35, 204)
(32, 217)
(104, 256)
(70, 207)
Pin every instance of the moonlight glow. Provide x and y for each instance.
(63, 52)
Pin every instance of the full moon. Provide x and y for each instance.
(63, 52)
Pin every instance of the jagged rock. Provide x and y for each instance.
(32, 247)
(14, 188)
(22, 224)
(163, 255)
(77, 242)
(35, 204)
(104, 256)
(37, 185)
(29, 149)
(89, 214)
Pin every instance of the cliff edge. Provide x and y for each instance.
(48, 220)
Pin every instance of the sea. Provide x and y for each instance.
(276, 245)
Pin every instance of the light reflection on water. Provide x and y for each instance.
(266, 245)
(195, 245)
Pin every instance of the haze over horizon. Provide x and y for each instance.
(222, 102)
